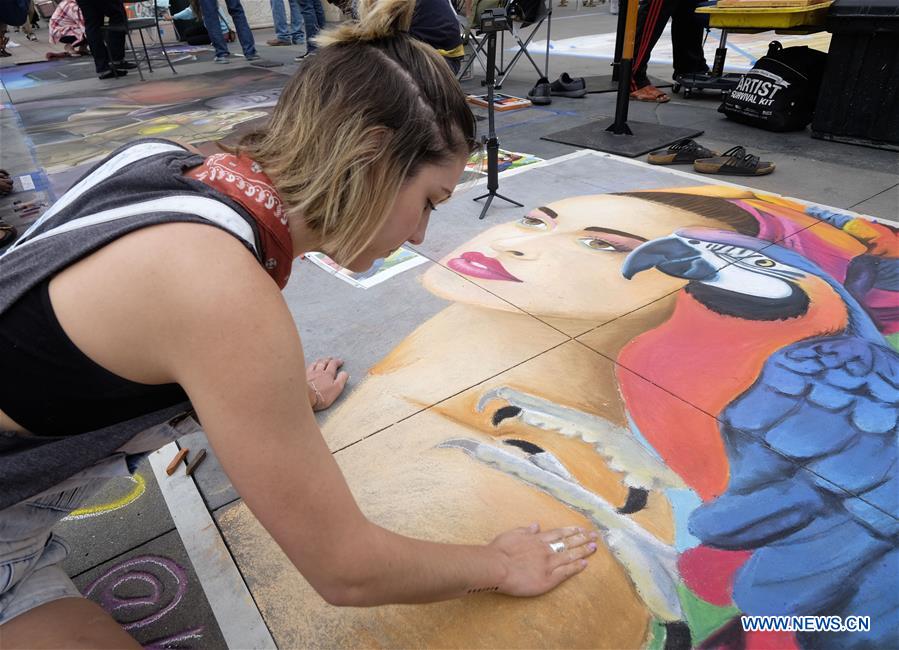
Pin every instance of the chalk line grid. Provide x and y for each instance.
(235, 611)
(233, 606)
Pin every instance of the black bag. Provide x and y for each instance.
(779, 93)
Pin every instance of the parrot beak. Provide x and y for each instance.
(671, 255)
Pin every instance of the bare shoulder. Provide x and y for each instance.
(157, 293)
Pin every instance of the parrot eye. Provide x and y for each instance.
(765, 263)
(532, 222)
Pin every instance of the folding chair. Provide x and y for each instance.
(526, 15)
(139, 23)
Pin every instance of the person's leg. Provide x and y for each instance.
(28, 26)
(686, 37)
(93, 25)
(210, 11)
(651, 19)
(242, 27)
(118, 27)
(3, 40)
(297, 27)
(279, 18)
(65, 623)
(319, 13)
(310, 22)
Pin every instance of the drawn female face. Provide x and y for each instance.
(564, 260)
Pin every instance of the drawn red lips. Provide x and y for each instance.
(477, 265)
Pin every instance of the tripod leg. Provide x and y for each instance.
(486, 206)
(508, 200)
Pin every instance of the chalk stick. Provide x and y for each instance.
(176, 461)
(192, 465)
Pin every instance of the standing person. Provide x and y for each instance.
(31, 23)
(686, 38)
(115, 331)
(287, 34)
(319, 13)
(67, 27)
(311, 25)
(209, 13)
(12, 12)
(107, 43)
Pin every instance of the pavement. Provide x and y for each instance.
(142, 547)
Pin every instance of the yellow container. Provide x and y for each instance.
(765, 17)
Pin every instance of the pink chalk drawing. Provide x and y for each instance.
(167, 581)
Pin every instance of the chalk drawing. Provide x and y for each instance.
(140, 486)
(167, 582)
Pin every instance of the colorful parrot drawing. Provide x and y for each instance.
(798, 472)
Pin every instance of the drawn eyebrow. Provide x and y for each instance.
(549, 212)
(610, 231)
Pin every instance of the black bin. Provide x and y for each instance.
(859, 98)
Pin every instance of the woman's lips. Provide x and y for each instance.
(477, 265)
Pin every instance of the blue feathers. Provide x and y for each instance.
(813, 447)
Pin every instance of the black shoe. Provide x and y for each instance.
(566, 86)
(539, 94)
(124, 65)
(112, 72)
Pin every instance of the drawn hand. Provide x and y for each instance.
(532, 568)
(329, 383)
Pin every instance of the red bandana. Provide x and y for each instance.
(242, 180)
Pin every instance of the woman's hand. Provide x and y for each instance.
(325, 382)
(532, 567)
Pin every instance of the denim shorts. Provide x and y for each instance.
(31, 553)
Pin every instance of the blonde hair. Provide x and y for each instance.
(361, 117)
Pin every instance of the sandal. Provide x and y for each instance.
(683, 152)
(7, 234)
(734, 162)
(650, 93)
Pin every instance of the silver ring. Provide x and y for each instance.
(557, 547)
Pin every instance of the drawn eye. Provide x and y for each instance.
(596, 244)
(765, 263)
(533, 222)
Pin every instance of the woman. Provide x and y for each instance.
(109, 328)
(67, 27)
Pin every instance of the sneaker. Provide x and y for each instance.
(222, 58)
(540, 93)
(112, 72)
(276, 42)
(252, 57)
(124, 65)
(566, 86)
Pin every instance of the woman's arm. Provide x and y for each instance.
(235, 349)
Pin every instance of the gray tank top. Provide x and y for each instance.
(138, 185)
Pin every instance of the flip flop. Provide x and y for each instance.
(650, 93)
(680, 153)
(734, 162)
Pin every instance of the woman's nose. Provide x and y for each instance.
(522, 248)
(418, 236)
